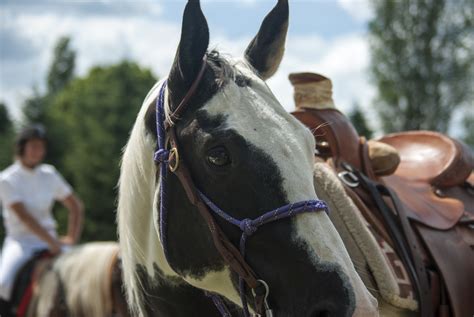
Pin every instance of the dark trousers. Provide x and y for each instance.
(5, 309)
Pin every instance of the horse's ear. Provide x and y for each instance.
(265, 51)
(192, 47)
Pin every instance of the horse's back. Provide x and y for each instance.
(86, 272)
(81, 280)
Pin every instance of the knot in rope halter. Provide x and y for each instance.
(248, 227)
(161, 156)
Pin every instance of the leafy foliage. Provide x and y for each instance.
(6, 137)
(34, 108)
(360, 123)
(37, 108)
(422, 61)
(62, 69)
(6, 147)
(468, 123)
(5, 121)
(97, 113)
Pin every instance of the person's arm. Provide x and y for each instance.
(32, 224)
(75, 219)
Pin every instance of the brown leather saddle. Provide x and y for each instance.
(432, 166)
(428, 203)
(119, 298)
(25, 281)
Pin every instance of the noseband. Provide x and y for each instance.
(167, 155)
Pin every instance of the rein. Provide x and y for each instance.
(167, 156)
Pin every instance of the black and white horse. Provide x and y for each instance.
(249, 156)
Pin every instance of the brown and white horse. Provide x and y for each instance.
(85, 281)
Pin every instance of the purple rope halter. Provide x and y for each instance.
(247, 226)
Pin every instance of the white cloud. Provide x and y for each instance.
(358, 9)
(242, 2)
(152, 43)
(344, 60)
(97, 40)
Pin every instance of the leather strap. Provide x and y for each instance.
(176, 114)
(227, 250)
(367, 213)
(334, 134)
(405, 242)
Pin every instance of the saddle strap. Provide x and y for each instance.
(405, 240)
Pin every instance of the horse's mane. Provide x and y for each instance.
(222, 65)
(136, 191)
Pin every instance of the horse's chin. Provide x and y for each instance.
(362, 311)
(366, 303)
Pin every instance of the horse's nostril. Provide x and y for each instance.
(321, 313)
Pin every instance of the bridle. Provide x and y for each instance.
(167, 155)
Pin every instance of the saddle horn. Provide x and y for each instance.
(190, 53)
(265, 51)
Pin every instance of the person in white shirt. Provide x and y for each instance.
(28, 189)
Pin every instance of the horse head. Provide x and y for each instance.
(248, 156)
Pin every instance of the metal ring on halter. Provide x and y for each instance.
(268, 310)
(173, 154)
(265, 285)
(349, 178)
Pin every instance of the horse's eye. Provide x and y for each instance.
(218, 156)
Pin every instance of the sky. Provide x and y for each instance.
(325, 36)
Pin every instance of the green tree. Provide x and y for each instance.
(360, 123)
(6, 137)
(6, 148)
(61, 71)
(34, 108)
(37, 108)
(97, 113)
(422, 61)
(468, 125)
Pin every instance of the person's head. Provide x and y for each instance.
(31, 145)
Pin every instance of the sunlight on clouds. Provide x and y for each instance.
(243, 2)
(358, 9)
(344, 60)
(152, 42)
(98, 40)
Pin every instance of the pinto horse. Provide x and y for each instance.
(241, 155)
(85, 281)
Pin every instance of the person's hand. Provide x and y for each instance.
(67, 240)
(55, 247)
